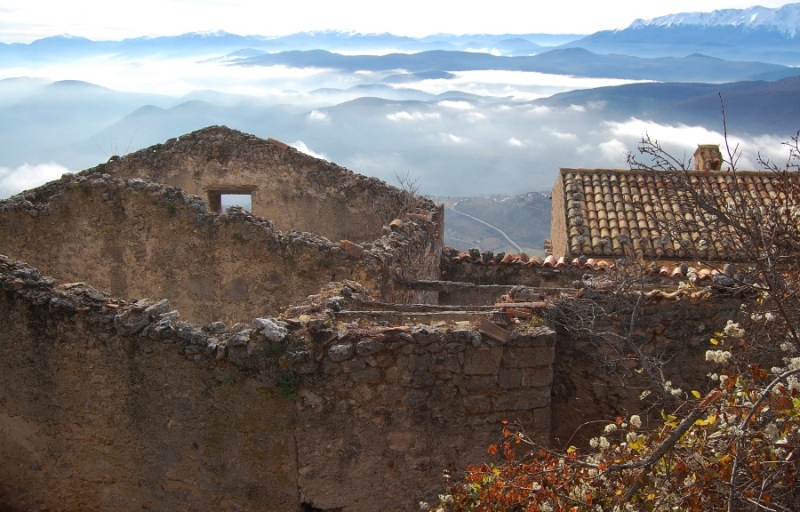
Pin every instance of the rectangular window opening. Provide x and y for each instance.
(220, 199)
(243, 200)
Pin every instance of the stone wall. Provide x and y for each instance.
(294, 190)
(143, 239)
(114, 405)
(595, 375)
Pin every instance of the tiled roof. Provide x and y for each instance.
(609, 212)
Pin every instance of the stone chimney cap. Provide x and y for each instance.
(707, 157)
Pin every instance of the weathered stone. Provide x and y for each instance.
(187, 331)
(274, 330)
(536, 377)
(381, 360)
(331, 368)
(478, 404)
(415, 399)
(454, 348)
(369, 347)
(341, 352)
(137, 317)
(216, 328)
(476, 339)
(401, 441)
(398, 374)
(422, 380)
(240, 339)
(528, 357)
(480, 384)
(302, 362)
(510, 378)
(529, 398)
(445, 363)
(419, 362)
(483, 362)
(425, 334)
(353, 365)
(13, 284)
(368, 375)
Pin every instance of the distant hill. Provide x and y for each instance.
(525, 218)
(751, 107)
(223, 43)
(569, 61)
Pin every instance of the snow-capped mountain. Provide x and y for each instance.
(785, 20)
(754, 34)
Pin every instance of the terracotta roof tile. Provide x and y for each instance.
(611, 211)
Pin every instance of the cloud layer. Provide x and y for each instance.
(25, 177)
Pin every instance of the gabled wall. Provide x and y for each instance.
(294, 190)
(141, 239)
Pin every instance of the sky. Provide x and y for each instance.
(28, 20)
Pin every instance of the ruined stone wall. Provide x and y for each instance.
(143, 239)
(294, 190)
(113, 405)
(593, 374)
(503, 270)
(92, 420)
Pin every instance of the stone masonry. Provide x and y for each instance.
(136, 238)
(108, 404)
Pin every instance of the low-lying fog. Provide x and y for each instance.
(469, 133)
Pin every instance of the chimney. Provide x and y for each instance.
(707, 158)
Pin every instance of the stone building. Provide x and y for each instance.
(322, 352)
(160, 353)
(131, 228)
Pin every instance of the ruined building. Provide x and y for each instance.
(322, 352)
(143, 367)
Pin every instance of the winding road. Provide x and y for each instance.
(512, 242)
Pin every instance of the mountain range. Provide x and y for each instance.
(467, 114)
(753, 34)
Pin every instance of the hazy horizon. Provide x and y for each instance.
(460, 132)
(28, 20)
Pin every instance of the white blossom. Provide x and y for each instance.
(733, 330)
(718, 356)
(636, 421)
(611, 427)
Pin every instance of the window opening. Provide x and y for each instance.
(219, 199)
(243, 200)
